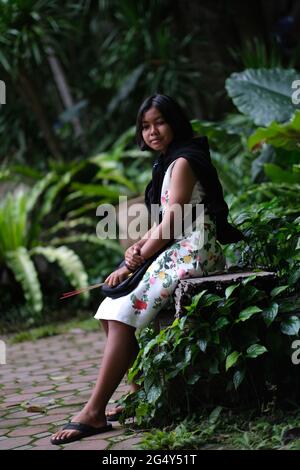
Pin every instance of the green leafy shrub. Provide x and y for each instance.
(269, 216)
(226, 350)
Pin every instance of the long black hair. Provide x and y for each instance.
(171, 112)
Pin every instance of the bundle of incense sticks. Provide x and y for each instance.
(80, 291)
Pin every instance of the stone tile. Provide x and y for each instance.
(43, 441)
(10, 389)
(11, 443)
(43, 434)
(60, 411)
(60, 423)
(79, 379)
(20, 397)
(46, 447)
(12, 414)
(38, 389)
(10, 423)
(24, 448)
(110, 434)
(91, 377)
(53, 419)
(73, 401)
(28, 431)
(127, 444)
(66, 388)
(63, 409)
(55, 395)
(87, 444)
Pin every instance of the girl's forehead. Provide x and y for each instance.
(152, 113)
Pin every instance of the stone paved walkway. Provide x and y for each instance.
(55, 375)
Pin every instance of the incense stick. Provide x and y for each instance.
(80, 291)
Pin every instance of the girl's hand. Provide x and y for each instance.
(116, 277)
(133, 257)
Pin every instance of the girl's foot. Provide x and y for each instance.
(114, 413)
(84, 417)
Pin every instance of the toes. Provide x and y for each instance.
(62, 435)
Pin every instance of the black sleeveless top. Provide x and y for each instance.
(196, 151)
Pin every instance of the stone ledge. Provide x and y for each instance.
(216, 283)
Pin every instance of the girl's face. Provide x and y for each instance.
(156, 132)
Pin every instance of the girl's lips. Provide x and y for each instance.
(155, 141)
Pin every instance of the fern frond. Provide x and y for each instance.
(70, 225)
(110, 244)
(69, 262)
(25, 273)
(38, 190)
(13, 219)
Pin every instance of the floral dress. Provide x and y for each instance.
(191, 256)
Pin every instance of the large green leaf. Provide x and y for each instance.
(69, 262)
(290, 326)
(278, 175)
(232, 359)
(263, 94)
(286, 136)
(247, 313)
(25, 273)
(238, 377)
(270, 313)
(255, 350)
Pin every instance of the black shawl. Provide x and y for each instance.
(196, 152)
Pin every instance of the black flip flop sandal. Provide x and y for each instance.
(84, 431)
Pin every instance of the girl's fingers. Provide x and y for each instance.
(135, 260)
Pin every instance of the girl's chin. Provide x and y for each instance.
(157, 146)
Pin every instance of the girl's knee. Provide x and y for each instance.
(117, 325)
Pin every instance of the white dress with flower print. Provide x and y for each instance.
(195, 255)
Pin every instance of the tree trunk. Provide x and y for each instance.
(28, 90)
(63, 88)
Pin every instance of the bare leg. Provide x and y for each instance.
(105, 326)
(133, 386)
(113, 412)
(119, 354)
